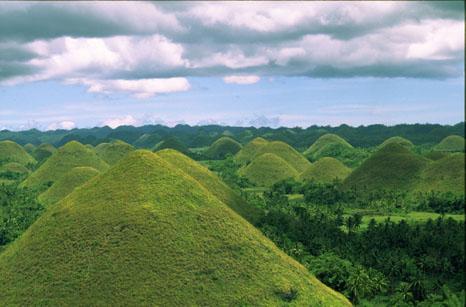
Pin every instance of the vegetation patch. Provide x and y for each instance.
(43, 152)
(171, 143)
(12, 152)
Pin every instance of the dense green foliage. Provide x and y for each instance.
(325, 170)
(146, 233)
(222, 147)
(451, 143)
(12, 152)
(113, 152)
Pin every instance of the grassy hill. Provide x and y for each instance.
(43, 152)
(436, 155)
(222, 147)
(66, 184)
(397, 140)
(147, 140)
(287, 153)
(70, 155)
(328, 145)
(172, 143)
(145, 233)
(325, 170)
(250, 150)
(29, 148)
(392, 167)
(451, 143)
(12, 152)
(12, 171)
(211, 182)
(267, 169)
(114, 151)
(444, 175)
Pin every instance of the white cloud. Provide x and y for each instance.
(120, 121)
(141, 89)
(250, 79)
(66, 124)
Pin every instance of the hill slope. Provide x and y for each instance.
(145, 233)
(70, 155)
(397, 140)
(211, 182)
(325, 170)
(12, 152)
(451, 143)
(171, 143)
(250, 150)
(43, 152)
(222, 147)
(267, 169)
(113, 152)
(287, 153)
(65, 185)
(328, 145)
(393, 167)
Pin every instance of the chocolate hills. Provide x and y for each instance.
(250, 150)
(328, 145)
(66, 184)
(325, 170)
(451, 143)
(398, 140)
(392, 167)
(70, 155)
(146, 233)
(114, 151)
(12, 152)
(172, 143)
(43, 152)
(267, 169)
(222, 147)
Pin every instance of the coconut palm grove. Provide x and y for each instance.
(232, 153)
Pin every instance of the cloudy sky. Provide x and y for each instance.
(65, 65)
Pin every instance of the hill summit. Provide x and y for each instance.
(12, 152)
(326, 169)
(328, 145)
(145, 233)
(222, 147)
(268, 169)
(451, 143)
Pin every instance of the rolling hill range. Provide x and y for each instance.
(451, 143)
(267, 169)
(328, 145)
(12, 152)
(222, 147)
(114, 151)
(67, 157)
(392, 167)
(325, 170)
(66, 184)
(146, 233)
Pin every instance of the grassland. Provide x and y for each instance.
(12, 152)
(451, 143)
(250, 150)
(328, 145)
(222, 147)
(397, 140)
(325, 170)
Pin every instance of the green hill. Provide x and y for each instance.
(29, 148)
(287, 153)
(267, 169)
(328, 145)
(250, 150)
(392, 167)
(145, 233)
(12, 172)
(70, 155)
(43, 152)
(147, 140)
(444, 175)
(12, 152)
(211, 182)
(171, 143)
(325, 170)
(114, 151)
(451, 143)
(222, 147)
(398, 140)
(436, 155)
(65, 185)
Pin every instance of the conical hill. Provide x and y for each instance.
(328, 145)
(145, 233)
(12, 152)
(325, 170)
(223, 147)
(114, 151)
(451, 143)
(250, 150)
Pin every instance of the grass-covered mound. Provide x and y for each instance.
(222, 147)
(328, 145)
(29, 148)
(145, 233)
(451, 143)
(325, 170)
(392, 167)
(287, 153)
(211, 182)
(12, 152)
(114, 151)
(436, 155)
(250, 150)
(397, 140)
(12, 171)
(444, 175)
(65, 185)
(267, 169)
(171, 143)
(43, 152)
(70, 155)
(147, 140)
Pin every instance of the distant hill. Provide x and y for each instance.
(147, 140)
(328, 145)
(145, 233)
(66, 184)
(392, 167)
(267, 169)
(287, 153)
(325, 170)
(114, 151)
(43, 152)
(12, 152)
(222, 147)
(171, 143)
(250, 150)
(397, 140)
(67, 157)
(451, 143)
(436, 155)
(29, 148)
